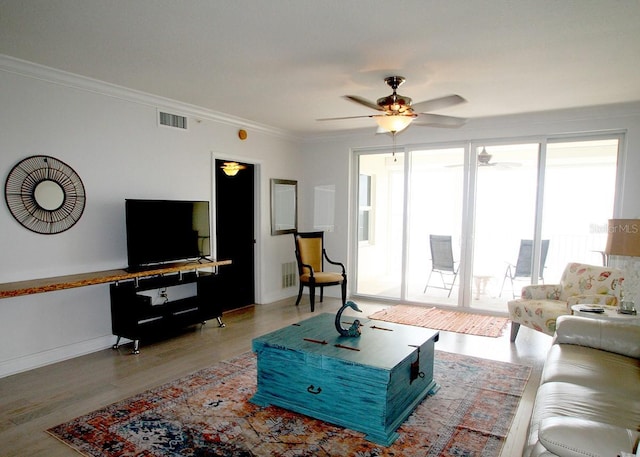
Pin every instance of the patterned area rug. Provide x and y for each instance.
(440, 319)
(208, 414)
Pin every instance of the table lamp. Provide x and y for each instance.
(624, 240)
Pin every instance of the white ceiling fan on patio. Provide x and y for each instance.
(484, 160)
(396, 112)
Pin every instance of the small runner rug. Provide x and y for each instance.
(440, 319)
(208, 413)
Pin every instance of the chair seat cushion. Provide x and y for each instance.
(540, 315)
(323, 277)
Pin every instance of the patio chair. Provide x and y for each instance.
(310, 255)
(523, 268)
(442, 262)
(541, 304)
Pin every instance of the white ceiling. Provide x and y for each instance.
(286, 63)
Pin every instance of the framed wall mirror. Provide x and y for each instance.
(284, 206)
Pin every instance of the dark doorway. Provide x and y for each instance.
(235, 238)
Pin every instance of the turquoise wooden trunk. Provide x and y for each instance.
(370, 384)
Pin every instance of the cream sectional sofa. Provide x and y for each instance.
(588, 401)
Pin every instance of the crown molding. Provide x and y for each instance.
(63, 78)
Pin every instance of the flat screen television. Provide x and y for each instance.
(160, 231)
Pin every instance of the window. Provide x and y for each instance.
(364, 208)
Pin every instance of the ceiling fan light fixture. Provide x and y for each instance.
(393, 124)
(232, 168)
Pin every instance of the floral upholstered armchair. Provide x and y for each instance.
(540, 305)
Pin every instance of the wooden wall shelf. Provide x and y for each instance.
(36, 286)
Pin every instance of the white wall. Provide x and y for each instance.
(110, 137)
(328, 160)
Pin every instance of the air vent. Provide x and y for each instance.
(173, 120)
(289, 274)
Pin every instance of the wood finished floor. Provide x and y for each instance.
(33, 401)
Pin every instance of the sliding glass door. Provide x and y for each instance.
(469, 225)
(380, 196)
(434, 221)
(504, 217)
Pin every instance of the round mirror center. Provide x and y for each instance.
(49, 195)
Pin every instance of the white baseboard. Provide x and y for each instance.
(293, 292)
(40, 359)
(279, 295)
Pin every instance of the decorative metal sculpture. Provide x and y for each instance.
(354, 330)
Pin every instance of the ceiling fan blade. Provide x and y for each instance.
(438, 120)
(341, 118)
(437, 103)
(362, 101)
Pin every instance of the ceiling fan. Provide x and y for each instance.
(484, 160)
(396, 112)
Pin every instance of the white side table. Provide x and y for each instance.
(481, 284)
(610, 313)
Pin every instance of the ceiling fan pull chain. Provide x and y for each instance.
(393, 152)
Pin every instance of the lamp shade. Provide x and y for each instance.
(393, 124)
(623, 237)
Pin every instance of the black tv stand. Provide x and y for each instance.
(139, 313)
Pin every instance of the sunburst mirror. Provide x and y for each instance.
(45, 195)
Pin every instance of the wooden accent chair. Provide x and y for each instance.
(310, 255)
